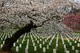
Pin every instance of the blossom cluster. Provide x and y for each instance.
(72, 21)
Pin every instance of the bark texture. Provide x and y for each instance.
(9, 41)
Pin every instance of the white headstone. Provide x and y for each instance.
(76, 51)
(14, 44)
(44, 49)
(3, 42)
(1, 45)
(38, 41)
(35, 48)
(70, 43)
(26, 50)
(17, 41)
(54, 50)
(20, 45)
(43, 42)
(47, 46)
(33, 44)
(17, 49)
(40, 45)
(26, 46)
(56, 45)
(73, 48)
(75, 41)
(49, 43)
(64, 46)
(79, 40)
(78, 45)
(67, 52)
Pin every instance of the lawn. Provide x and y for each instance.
(39, 44)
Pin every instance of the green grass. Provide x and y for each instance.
(77, 31)
(60, 48)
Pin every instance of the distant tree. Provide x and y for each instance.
(72, 21)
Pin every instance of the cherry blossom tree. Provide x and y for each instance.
(72, 21)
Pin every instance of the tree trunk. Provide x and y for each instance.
(9, 41)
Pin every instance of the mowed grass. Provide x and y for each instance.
(41, 39)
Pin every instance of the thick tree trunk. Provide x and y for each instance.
(9, 41)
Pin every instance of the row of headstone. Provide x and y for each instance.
(40, 45)
(73, 47)
(3, 36)
(44, 40)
